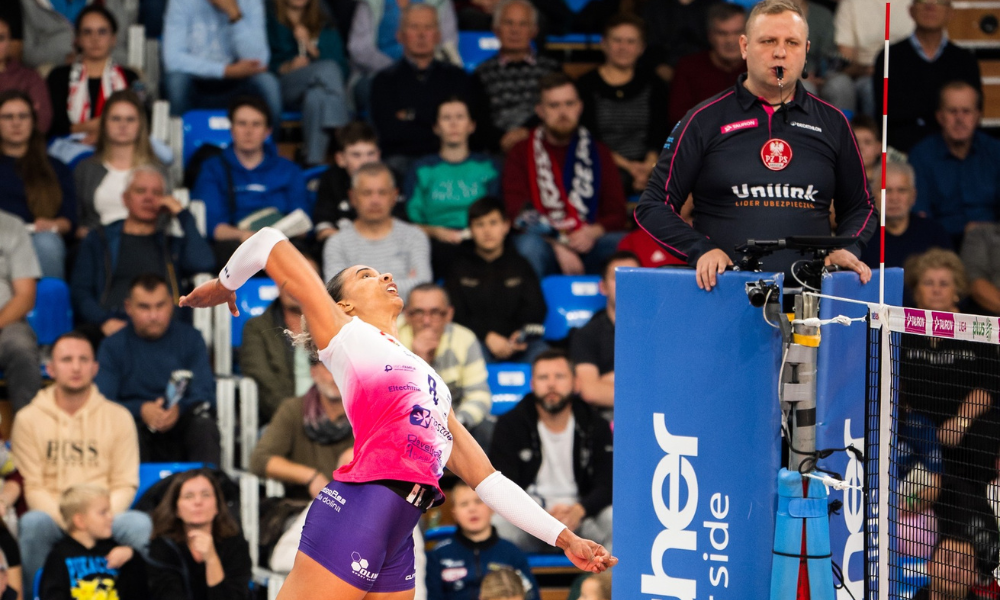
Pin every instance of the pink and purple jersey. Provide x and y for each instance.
(396, 403)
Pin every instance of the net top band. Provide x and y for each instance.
(959, 326)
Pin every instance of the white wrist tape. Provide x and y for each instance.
(512, 503)
(249, 258)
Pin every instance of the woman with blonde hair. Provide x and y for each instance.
(502, 584)
(122, 145)
(951, 386)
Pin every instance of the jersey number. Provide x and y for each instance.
(432, 389)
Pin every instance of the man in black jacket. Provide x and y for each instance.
(559, 449)
(494, 290)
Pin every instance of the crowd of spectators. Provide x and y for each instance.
(469, 185)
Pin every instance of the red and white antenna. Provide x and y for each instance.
(885, 147)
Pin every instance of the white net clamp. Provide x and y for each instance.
(838, 320)
(833, 482)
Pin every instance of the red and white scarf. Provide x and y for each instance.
(78, 103)
(564, 211)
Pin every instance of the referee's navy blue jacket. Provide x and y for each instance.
(714, 153)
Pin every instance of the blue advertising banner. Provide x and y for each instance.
(840, 398)
(697, 444)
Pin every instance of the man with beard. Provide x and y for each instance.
(562, 188)
(71, 434)
(559, 449)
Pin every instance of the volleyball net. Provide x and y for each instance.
(932, 438)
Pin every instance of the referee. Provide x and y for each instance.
(764, 160)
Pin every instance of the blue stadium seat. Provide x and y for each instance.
(577, 5)
(476, 46)
(436, 534)
(205, 127)
(509, 382)
(150, 473)
(52, 314)
(252, 299)
(549, 561)
(573, 39)
(572, 300)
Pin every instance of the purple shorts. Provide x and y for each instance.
(363, 534)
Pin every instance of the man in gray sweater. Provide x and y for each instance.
(375, 238)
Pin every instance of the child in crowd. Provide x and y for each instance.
(439, 188)
(458, 567)
(87, 563)
(502, 584)
(596, 587)
(494, 290)
(357, 146)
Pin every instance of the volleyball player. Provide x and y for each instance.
(357, 542)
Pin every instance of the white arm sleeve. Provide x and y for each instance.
(512, 503)
(249, 258)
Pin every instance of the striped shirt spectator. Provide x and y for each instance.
(455, 354)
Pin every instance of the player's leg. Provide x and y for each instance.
(309, 579)
(404, 595)
(357, 540)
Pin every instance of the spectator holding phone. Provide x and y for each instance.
(142, 368)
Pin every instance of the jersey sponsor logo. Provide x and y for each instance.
(420, 450)
(406, 368)
(421, 417)
(331, 498)
(669, 142)
(806, 126)
(360, 567)
(776, 154)
(776, 190)
(407, 387)
(738, 125)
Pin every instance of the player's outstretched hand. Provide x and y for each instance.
(586, 555)
(211, 293)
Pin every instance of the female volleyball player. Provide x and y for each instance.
(357, 542)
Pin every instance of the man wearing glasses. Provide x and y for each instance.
(455, 354)
(919, 67)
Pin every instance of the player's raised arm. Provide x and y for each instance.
(469, 462)
(270, 250)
